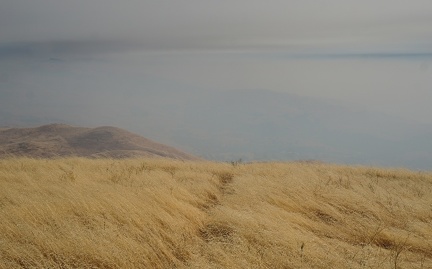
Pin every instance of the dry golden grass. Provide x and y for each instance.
(158, 213)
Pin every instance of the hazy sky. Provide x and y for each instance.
(192, 73)
(91, 59)
(235, 44)
(228, 24)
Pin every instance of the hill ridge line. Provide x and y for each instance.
(62, 140)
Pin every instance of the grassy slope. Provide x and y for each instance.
(153, 213)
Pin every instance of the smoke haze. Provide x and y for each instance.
(229, 79)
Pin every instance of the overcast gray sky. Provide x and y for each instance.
(255, 40)
(197, 24)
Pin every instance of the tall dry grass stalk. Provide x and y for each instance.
(158, 213)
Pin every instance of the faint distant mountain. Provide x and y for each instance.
(60, 140)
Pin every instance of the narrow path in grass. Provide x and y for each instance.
(216, 230)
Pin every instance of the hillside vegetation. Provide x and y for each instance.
(159, 213)
(61, 140)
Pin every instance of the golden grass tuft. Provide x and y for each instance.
(159, 213)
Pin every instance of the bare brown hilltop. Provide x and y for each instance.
(61, 140)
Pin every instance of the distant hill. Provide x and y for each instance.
(60, 140)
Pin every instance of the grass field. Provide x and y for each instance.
(159, 213)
